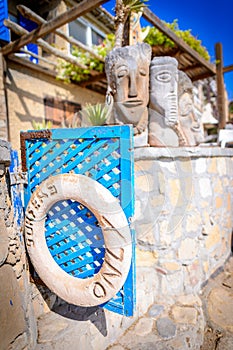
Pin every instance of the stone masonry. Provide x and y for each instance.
(183, 223)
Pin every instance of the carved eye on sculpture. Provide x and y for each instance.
(143, 72)
(122, 73)
(164, 76)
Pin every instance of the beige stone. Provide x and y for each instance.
(116, 347)
(144, 182)
(188, 186)
(206, 266)
(204, 204)
(144, 326)
(161, 182)
(217, 185)
(186, 166)
(221, 166)
(189, 300)
(188, 249)
(212, 166)
(213, 237)
(174, 190)
(177, 233)
(142, 165)
(218, 202)
(146, 258)
(157, 201)
(171, 266)
(200, 165)
(145, 233)
(12, 318)
(193, 221)
(226, 179)
(205, 187)
(185, 314)
(170, 166)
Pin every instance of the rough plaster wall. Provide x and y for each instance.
(18, 324)
(25, 92)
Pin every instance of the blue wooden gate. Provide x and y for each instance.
(104, 154)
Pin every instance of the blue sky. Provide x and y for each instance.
(209, 21)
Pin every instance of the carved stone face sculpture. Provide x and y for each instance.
(188, 119)
(163, 87)
(127, 70)
(163, 102)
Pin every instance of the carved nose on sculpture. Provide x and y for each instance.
(132, 85)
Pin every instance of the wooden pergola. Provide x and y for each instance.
(189, 60)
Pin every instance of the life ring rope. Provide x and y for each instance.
(107, 282)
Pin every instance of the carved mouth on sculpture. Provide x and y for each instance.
(133, 103)
(171, 114)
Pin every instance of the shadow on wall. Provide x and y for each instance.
(95, 315)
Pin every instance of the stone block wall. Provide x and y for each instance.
(18, 325)
(183, 215)
(183, 223)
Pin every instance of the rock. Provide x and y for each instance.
(144, 326)
(183, 314)
(155, 310)
(166, 328)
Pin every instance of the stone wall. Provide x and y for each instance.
(183, 223)
(183, 215)
(18, 325)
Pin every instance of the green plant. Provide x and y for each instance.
(155, 37)
(97, 114)
(69, 72)
(230, 107)
(42, 125)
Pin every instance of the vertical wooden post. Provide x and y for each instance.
(220, 86)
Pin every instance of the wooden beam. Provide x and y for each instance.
(70, 15)
(40, 58)
(220, 86)
(156, 22)
(92, 80)
(47, 47)
(35, 67)
(228, 68)
(27, 13)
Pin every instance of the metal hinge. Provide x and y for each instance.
(17, 178)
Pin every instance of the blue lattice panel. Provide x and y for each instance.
(73, 235)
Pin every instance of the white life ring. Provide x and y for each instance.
(118, 248)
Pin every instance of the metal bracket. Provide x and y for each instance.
(17, 178)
